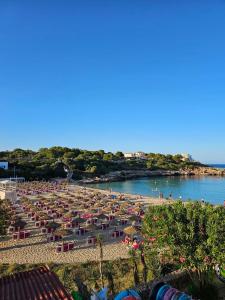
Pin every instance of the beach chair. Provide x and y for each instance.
(91, 240)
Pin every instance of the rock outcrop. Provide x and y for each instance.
(132, 174)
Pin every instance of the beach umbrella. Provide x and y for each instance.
(92, 227)
(112, 204)
(134, 223)
(78, 220)
(102, 217)
(107, 209)
(134, 218)
(62, 210)
(118, 213)
(63, 232)
(24, 200)
(15, 218)
(137, 209)
(53, 225)
(82, 206)
(93, 210)
(124, 205)
(43, 216)
(36, 209)
(20, 223)
(30, 205)
(114, 222)
(52, 205)
(69, 214)
(130, 230)
(122, 211)
(70, 201)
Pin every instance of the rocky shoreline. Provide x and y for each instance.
(133, 174)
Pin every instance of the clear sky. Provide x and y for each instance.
(114, 75)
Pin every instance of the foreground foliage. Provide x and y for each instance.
(118, 275)
(4, 217)
(188, 234)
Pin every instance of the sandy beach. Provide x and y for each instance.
(140, 198)
(35, 249)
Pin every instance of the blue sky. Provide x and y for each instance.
(114, 75)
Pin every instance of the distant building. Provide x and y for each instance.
(4, 165)
(8, 190)
(138, 154)
(187, 157)
(129, 155)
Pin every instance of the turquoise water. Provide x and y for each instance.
(211, 189)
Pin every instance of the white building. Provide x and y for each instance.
(129, 155)
(4, 165)
(8, 190)
(138, 154)
(187, 157)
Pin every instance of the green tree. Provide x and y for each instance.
(189, 234)
(108, 156)
(119, 155)
(4, 217)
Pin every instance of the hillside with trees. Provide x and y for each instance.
(48, 163)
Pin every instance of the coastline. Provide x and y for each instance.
(35, 249)
(147, 200)
(134, 174)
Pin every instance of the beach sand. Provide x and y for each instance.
(35, 249)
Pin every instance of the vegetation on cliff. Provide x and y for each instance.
(49, 162)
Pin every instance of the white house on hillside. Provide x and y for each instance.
(187, 157)
(129, 155)
(138, 154)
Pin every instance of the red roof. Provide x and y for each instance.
(37, 284)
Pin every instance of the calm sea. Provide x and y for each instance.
(219, 166)
(208, 188)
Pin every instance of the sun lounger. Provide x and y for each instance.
(21, 235)
(117, 233)
(64, 247)
(91, 240)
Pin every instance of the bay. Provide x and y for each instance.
(207, 188)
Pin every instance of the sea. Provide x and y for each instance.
(218, 166)
(206, 188)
